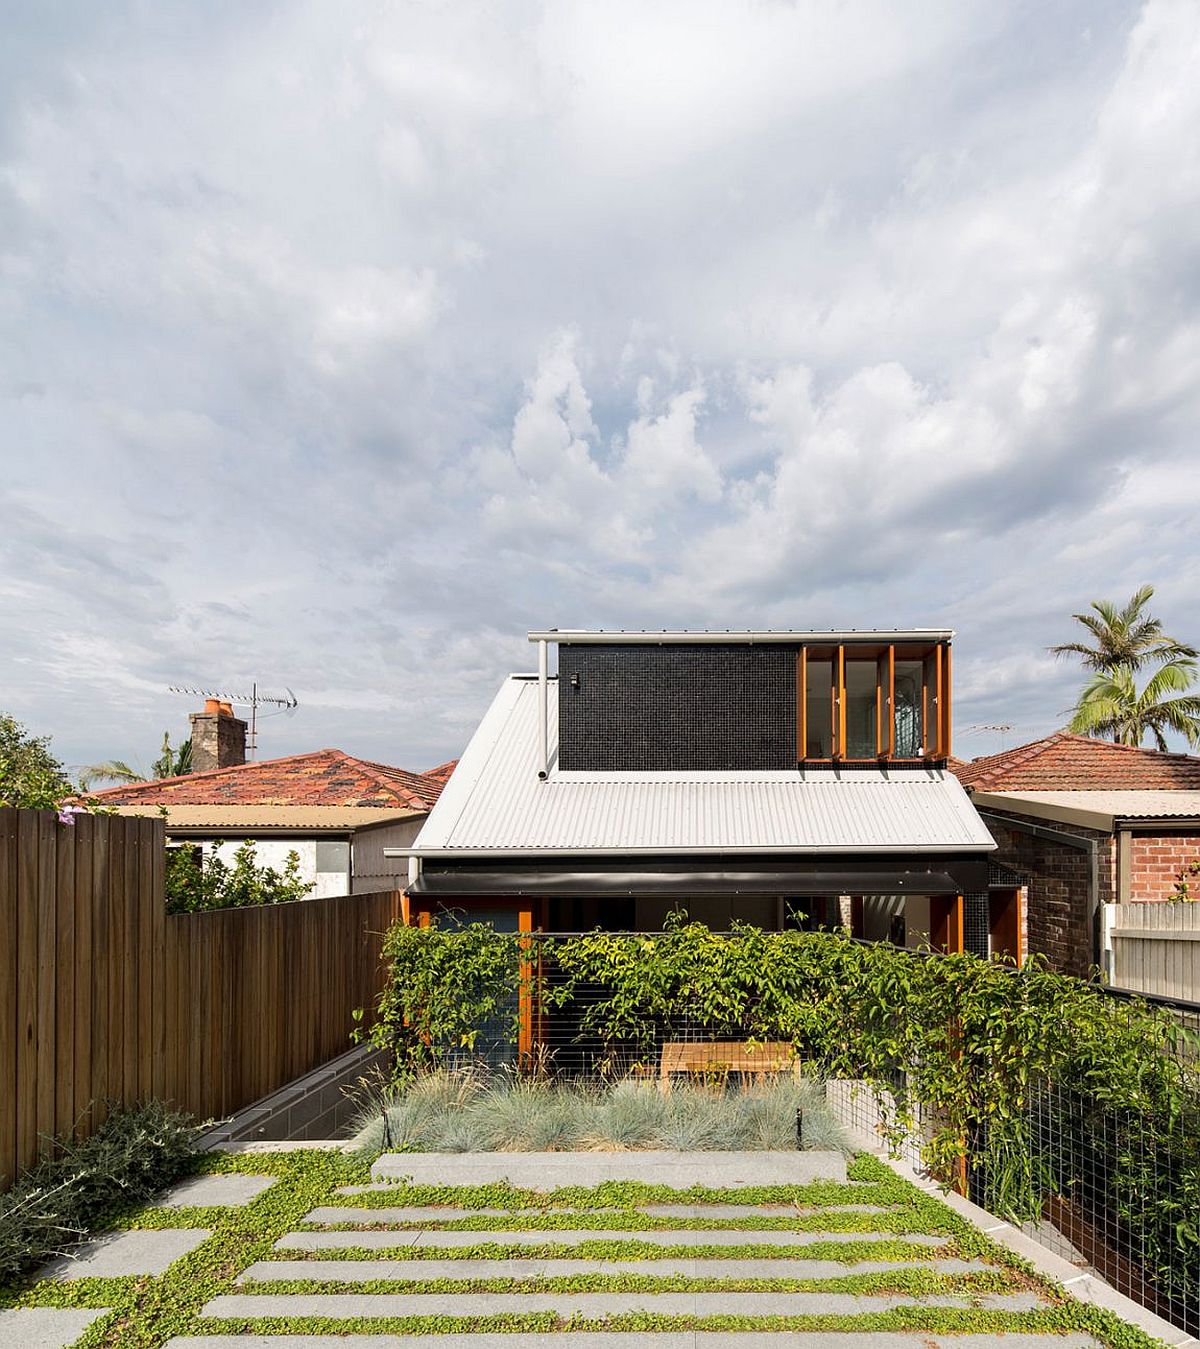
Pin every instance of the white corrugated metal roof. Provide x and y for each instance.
(495, 803)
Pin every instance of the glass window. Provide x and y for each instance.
(819, 709)
(907, 709)
(861, 710)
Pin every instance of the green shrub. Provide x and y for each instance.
(60, 1199)
(194, 883)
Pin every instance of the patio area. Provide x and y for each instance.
(270, 1250)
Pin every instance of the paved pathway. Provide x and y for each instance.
(362, 1267)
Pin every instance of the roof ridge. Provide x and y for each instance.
(208, 773)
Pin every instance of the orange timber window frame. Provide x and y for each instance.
(934, 708)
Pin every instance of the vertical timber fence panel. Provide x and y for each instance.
(105, 998)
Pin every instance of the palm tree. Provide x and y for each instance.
(1112, 705)
(1126, 638)
(170, 763)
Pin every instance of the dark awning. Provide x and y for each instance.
(541, 881)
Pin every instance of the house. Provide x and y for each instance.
(336, 812)
(1081, 824)
(778, 778)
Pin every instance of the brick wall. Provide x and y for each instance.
(1155, 861)
(1058, 879)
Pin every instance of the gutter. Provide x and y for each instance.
(872, 637)
(974, 850)
(1086, 845)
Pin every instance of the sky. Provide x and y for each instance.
(343, 344)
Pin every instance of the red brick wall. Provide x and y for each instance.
(1058, 877)
(1155, 861)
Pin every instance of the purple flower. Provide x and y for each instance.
(66, 814)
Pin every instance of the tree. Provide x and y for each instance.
(30, 776)
(171, 763)
(1126, 637)
(195, 882)
(1111, 704)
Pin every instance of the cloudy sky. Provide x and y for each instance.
(340, 344)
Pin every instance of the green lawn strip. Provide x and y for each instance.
(847, 1252)
(911, 1282)
(624, 1220)
(1108, 1329)
(146, 1312)
(627, 1194)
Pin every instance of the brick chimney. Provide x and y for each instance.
(218, 737)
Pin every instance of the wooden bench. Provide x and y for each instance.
(713, 1058)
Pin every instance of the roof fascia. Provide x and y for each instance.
(786, 638)
(1017, 804)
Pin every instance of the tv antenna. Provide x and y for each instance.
(254, 700)
(1001, 728)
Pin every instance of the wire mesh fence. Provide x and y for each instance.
(1112, 1187)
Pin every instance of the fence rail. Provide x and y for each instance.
(105, 998)
(1155, 948)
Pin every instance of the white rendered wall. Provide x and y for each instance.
(273, 852)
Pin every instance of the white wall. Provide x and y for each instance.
(272, 852)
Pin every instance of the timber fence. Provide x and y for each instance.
(106, 999)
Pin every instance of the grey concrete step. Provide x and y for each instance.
(119, 1253)
(549, 1170)
(45, 1327)
(359, 1271)
(364, 1217)
(335, 1241)
(349, 1305)
(606, 1339)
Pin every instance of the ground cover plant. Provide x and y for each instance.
(69, 1191)
(960, 1051)
(463, 1111)
(144, 1313)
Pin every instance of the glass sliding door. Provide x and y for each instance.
(818, 709)
(862, 707)
(907, 710)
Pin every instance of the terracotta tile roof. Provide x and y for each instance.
(1066, 762)
(442, 772)
(326, 777)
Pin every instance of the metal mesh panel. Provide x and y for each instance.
(976, 925)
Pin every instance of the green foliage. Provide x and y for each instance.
(1124, 642)
(195, 882)
(30, 776)
(57, 1201)
(956, 1049)
(1183, 892)
(171, 763)
(445, 986)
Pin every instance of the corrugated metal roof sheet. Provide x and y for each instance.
(1110, 805)
(496, 803)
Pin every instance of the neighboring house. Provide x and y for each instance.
(1083, 823)
(736, 775)
(336, 812)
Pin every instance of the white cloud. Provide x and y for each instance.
(336, 353)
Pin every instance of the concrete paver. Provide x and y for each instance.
(224, 1190)
(120, 1253)
(358, 1271)
(593, 1304)
(547, 1170)
(681, 1236)
(330, 1215)
(45, 1327)
(603, 1339)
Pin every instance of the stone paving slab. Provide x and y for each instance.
(682, 1236)
(228, 1190)
(607, 1339)
(349, 1305)
(358, 1271)
(121, 1253)
(362, 1217)
(548, 1170)
(45, 1327)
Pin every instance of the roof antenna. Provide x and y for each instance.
(253, 701)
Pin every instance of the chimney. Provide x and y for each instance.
(218, 737)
